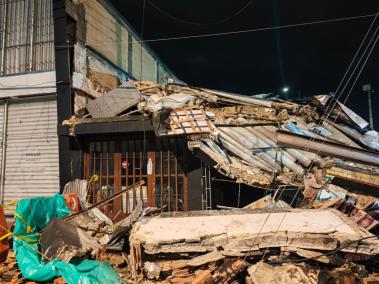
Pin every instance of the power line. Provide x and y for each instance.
(363, 66)
(356, 54)
(243, 31)
(326, 115)
(168, 15)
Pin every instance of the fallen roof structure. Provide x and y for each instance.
(245, 136)
(268, 143)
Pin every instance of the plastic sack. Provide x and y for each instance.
(33, 215)
(371, 140)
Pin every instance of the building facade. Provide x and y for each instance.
(55, 55)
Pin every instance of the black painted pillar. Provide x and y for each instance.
(70, 155)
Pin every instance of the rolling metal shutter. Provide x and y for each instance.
(32, 160)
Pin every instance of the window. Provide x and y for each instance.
(120, 164)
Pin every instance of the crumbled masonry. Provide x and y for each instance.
(324, 233)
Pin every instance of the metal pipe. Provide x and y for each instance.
(350, 132)
(338, 136)
(280, 156)
(105, 200)
(5, 19)
(261, 164)
(370, 109)
(326, 148)
(240, 98)
(31, 35)
(297, 155)
(3, 150)
(238, 142)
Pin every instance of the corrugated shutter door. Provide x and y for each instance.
(31, 166)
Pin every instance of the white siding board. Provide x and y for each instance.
(32, 163)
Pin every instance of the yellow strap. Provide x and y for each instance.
(9, 233)
(28, 227)
(5, 236)
(26, 239)
(10, 204)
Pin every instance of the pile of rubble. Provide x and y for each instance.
(252, 140)
(220, 246)
(305, 230)
(268, 143)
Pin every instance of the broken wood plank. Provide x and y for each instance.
(229, 270)
(206, 258)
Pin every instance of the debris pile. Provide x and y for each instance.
(254, 141)
(307, 229)
(222, 246)
(268, 143)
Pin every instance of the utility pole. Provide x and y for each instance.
(367, 88)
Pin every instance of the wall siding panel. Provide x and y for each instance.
(32, 166)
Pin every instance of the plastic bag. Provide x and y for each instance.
(371, 140)
(33, 215)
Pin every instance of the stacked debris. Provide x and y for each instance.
(283, 146)
(223, 246)
(254, 141)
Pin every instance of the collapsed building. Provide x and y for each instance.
(314, 165)
(311, 168)
(318, 151)
(144, 166)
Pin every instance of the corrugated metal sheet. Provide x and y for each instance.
(106, 34)
(32, 166)
(161, 78)
(104, 72)
(104, 30)
(29, 38)
(136, 59)
(103, 75)
(149, 70)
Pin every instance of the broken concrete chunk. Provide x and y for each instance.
(114, 102)
(64, 241)
(152, 270)
(263, 273)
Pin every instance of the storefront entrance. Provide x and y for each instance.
(120, 163)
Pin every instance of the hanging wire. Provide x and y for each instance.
(168, 15)
(326, 115)
(239, 31)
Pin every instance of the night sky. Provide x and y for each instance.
(309, 59)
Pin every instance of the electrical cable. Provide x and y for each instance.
(334, 103)
(364, 64)
(345, 245)
(326, 116)
(235, 14)
(357, 52)
(143, 122)
(237, 32)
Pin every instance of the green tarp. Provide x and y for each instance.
(33, 215)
